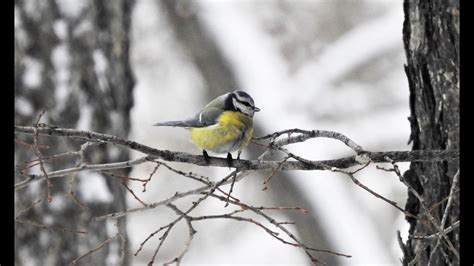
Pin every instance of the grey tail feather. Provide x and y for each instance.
(172, 124)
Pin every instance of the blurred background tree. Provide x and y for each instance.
(71, 60)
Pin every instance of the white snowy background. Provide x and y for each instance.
(330, 65)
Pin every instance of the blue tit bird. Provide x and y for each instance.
(224, 125)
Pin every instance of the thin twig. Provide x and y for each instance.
(26, 165)
(72, 194)
(173, 198)
(123, 181)
(437, 235)
(308, 134)
(31, 146)
(38, 154)
(149, 178)
(50, 228)
(262, 208)
(200, 178)
(84, 167)
(22, 212)
(122, 242)
(445, 215)
(358, 183)
(162, 240)
(281, 227)
(151, 235)
(423, 206)
(170, 225)
(231, 188)
(101, 245)
(450, 199)
(267, 180)
(191, 231)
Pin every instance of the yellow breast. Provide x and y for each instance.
(232, 132)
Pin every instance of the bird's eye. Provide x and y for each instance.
(246, 104)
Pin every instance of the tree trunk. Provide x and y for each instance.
(71, 60)
(431, 39)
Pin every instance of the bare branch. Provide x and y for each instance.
(83, 167)
(234, 177)
(191, 231)
(450, 199)
(38, 154)
(149, 178)
(397, 156)
(280, 226)
(276, 142)
(31, 146)
(153, 234)
(42, 226)
(101, 245)
(445, 215)
(437, 235)
(175, 197)
(22, 212)
(183, 215)
(50, 228)
(306, 134)
(26, 165)
(358, 183)
(433, 221)
(267, 180)
(72, 194)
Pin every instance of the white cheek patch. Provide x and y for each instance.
(235, 103)
(243, 108)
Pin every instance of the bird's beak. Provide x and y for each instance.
(256, 109)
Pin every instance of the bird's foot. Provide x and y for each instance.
(229, 160)
(206, 156)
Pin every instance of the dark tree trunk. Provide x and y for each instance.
(71, 60)
(219, 78)
(431, 39)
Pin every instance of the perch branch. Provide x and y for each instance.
(397, 156)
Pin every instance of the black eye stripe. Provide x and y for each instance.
(245, 103)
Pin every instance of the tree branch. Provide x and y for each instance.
(275, 142)
(377, 157)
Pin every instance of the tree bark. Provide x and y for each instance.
(431, 40)
(71, 60)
